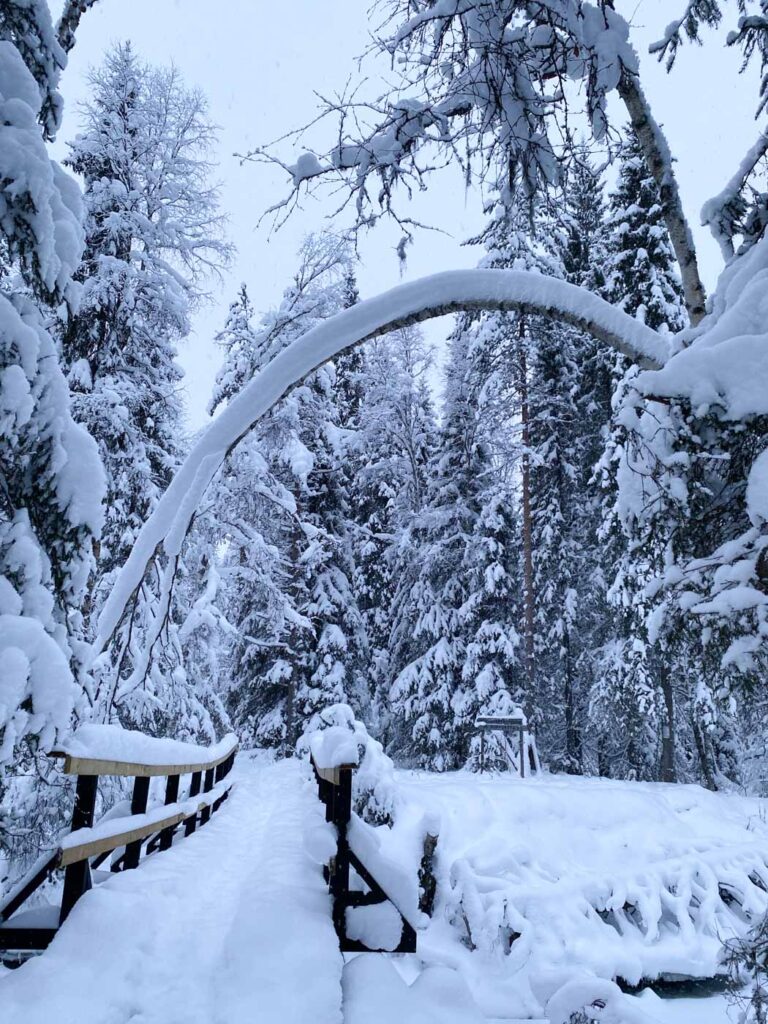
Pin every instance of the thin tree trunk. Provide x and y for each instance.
(528, 594)
(572, 736)
(659, 160)
(700, 739)
(668, 739)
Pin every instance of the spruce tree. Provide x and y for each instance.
(463, 650)
(52, 483)
(633, 704)
(396, 437)
(153, 230)
(301, 641)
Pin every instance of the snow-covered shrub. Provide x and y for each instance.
(374, 793)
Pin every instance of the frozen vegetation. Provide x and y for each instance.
(353, 564)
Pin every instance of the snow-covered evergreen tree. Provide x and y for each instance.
(462, 650)
(593, 372)
(301, 641)
(644, 495)
(153, 231)
(395, 439)
(52, 483)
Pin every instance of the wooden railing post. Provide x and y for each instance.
(171, 796)
(206, 811)
(341, 813)
(138, 806)
(77, 877)
(194, 789)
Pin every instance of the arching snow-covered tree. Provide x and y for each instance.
(153, 231)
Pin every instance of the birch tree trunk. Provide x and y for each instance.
(659, 160)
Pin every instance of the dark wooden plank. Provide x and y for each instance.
(77, 877)
(25, 938)
(139, 800)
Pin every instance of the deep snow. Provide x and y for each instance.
(233, 924)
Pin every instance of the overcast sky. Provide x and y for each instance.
(259, 64)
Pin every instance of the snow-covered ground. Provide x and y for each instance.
(230, 926)
(553, 877)
(537, 884)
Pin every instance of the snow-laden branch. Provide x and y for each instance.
(722, 211)
(429, 297)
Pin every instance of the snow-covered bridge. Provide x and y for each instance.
(548, 890)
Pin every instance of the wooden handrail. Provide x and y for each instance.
(88, 844)
(114, 840)
(76, 765)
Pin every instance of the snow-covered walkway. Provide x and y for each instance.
(231, 926)
(541, 884)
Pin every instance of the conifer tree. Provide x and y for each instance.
(153, 231)
(396, 436)
(644, 495)
(463, 649)
(300, 641)
(51, 484)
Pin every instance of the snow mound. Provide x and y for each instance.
(553, 887)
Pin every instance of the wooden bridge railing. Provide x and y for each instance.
(335, 790)
(87, 845)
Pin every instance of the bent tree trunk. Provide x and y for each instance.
(438, 295)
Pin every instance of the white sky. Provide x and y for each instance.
(260, 63)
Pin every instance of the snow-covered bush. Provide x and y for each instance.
(374, 793)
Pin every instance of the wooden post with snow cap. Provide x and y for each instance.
(77, 877)
(334, 757)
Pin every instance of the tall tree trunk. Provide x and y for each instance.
(572, 735)
(703, 749)
(668, 740)
(659, 159)
(528, 594)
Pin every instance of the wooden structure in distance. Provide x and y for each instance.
(508, 726)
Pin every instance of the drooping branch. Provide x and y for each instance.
(69, 21)
(438, 295)
(723, 211)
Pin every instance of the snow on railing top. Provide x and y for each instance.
(128, 750)
(333, 748)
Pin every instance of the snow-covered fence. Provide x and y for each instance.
(103, 750)
(377, 920)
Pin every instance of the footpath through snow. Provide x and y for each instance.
(547, 889)
(232, 925)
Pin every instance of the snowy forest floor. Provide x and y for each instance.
(233, 924)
